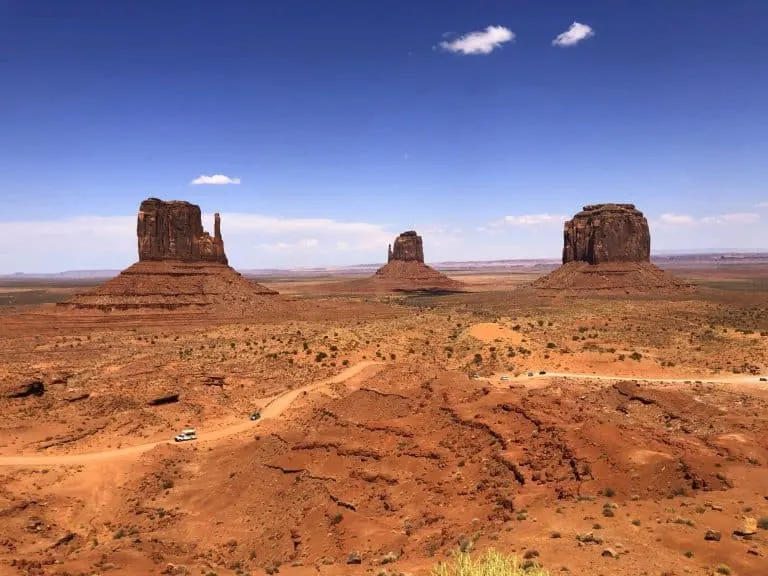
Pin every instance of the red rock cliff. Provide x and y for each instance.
(607, 233)
(408, 248)
(174, 231)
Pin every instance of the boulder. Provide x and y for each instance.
(34, 387)
(173, 230)
(603, 233)
(712, 535)
(408, 247)
(166, 399)
(747, 529)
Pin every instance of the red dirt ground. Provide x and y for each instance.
(402, 458)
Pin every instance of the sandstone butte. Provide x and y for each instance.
(181, 267)
(607, 249)
(405, 270)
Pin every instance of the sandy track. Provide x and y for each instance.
(734, 380)
(272, 410)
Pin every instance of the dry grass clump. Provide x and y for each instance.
(491, 564)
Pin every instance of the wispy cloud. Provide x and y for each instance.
(216, 179)
(677, 220)
(299, 246)
(480, 42)
(575, 34)
(762, 204)
(251, 240)
(735, 218)
(680, 220)
(534, 219)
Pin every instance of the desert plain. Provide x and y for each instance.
(605, 434)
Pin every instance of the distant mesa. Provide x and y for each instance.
(607, 248)
(180, 267)
(405, 270)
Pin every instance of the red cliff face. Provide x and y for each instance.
(603, 233)
(408, 248)
(174, 231)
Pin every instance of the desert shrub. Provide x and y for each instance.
(763, 523)
(491, 564)
(320, 356)
(551, 345)
(636, 356)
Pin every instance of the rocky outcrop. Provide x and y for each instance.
(408, 247)
(603, 233)
(181, 268)
(607, 250)
(31, 387)
(174, 231)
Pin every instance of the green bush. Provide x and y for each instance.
(491, 564)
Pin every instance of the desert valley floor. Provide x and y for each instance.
(615, 435)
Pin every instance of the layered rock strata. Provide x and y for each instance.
(180, 267)
(603, 233)
(607, 250)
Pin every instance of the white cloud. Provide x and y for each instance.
(735, 218)
(216, 179)
(533, 219)
(685, 220)
(360, 236)
(301, 245)
(251, 241)
(676, 220)
(762, 204)
(480, 42)
(575, 34)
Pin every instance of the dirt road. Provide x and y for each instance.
(732, 380)
(272, 410)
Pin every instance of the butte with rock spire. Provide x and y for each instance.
(181, 267)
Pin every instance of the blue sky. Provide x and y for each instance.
(346, 122)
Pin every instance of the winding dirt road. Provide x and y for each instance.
(281, 403)
(272, 410)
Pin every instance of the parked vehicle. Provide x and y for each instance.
(530, 374)
(256, 415)
(542, 372)
(186, 435)
(504, 378)
(763, 379)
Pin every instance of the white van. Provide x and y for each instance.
(186, 434)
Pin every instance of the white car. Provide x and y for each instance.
(186, 435)
(504, 378)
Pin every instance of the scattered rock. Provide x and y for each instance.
(712, 535)
(167, 399)
(390, 557)
(214, 381)
(610, 553)
(354, 558)
(33, 387)
(77, 396)
(747, 529)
